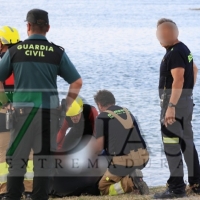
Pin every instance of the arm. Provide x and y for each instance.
(92, 117)
(5, 67)
(176, 65)
(73, 92)
(70, 75)
(5, 72)
(100, 135)
(177, 85)
(100, 144)
(195, 69)
(61, 133)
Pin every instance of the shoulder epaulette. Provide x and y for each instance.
(58, 46)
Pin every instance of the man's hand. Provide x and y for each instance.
(170, 116)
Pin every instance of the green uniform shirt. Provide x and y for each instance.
(36, 64)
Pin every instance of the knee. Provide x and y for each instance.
(101, 186)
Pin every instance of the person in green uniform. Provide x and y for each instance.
(36, 63)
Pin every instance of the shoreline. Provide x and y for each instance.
(132, 196)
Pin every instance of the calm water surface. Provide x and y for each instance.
(113, 45)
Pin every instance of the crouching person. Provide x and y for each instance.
(118, 134)
(79, 120)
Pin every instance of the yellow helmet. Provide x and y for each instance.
(76, 107)
(9, 35)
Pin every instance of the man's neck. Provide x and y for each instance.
(35, 33)
(176, 42)
(106, 108)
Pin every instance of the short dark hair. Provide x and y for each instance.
(104, 98)
(36, 28)
(163, 20)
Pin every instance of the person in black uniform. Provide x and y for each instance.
(36, 63)
(177, 78)
(117, 133)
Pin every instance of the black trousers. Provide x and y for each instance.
(178, 141)
(75, 186)
(3, 122)
(33, 130)
(68, 182)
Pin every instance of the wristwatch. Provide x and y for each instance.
(171, 105)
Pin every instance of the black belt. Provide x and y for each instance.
(28, 110)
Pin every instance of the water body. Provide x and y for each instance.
(114, 47)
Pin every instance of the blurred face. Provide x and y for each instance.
(75, 119)
(167, 34)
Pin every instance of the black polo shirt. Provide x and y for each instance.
(118, 140)
(177, 56)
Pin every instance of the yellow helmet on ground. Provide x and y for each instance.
(9, 35)
(76, 107)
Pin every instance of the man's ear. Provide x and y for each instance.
(48, 28)
(176, 32)
(28, 26)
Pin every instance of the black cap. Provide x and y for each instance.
(37, 16)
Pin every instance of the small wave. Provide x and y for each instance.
(194, 8)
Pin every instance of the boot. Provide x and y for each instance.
(15, 188)
(196, 188)
(27, 196)
(169, 194)
(138, 182)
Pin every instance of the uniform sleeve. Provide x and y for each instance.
(99, 127)
(5, 67)
(176, 60)
(67, 70)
